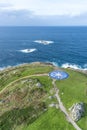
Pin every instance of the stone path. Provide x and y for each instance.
(60, 104)
(63, 109)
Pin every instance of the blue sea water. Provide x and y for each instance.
(69, 47)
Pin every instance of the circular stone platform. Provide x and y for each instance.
(58, 75)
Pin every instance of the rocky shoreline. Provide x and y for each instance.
(41, 63)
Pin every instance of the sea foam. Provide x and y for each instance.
(72, 66)
(44, 42)
(28, 50)
(5, 67)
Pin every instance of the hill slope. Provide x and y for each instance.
(27, 96)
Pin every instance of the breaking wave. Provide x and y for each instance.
(3, 68)
(73, 66)
(28, 50)
(44, 42)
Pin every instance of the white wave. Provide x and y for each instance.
(3, 68)
(44, 42)
(28, 50)
(54, 63)
(73, 66)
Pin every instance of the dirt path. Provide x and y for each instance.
(60, 104)
(45, 74)
(63, 109)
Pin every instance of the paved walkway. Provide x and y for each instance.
(63, 109)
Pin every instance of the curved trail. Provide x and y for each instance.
(62, 108)
(60, 104)
(44, 74)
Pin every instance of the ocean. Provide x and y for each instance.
(68, 46)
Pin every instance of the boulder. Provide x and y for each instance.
(52, 105)
(39, 85)
(77, 111)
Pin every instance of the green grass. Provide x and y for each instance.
(8, 76)
(46, 82)
(74, 90)
(30, 114)
(53, 119)
(13, 118)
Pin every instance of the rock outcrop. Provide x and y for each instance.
(39, 85)
(77, 111)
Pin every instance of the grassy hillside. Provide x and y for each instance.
(25, 102)
(53, 119)
(74, 90)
